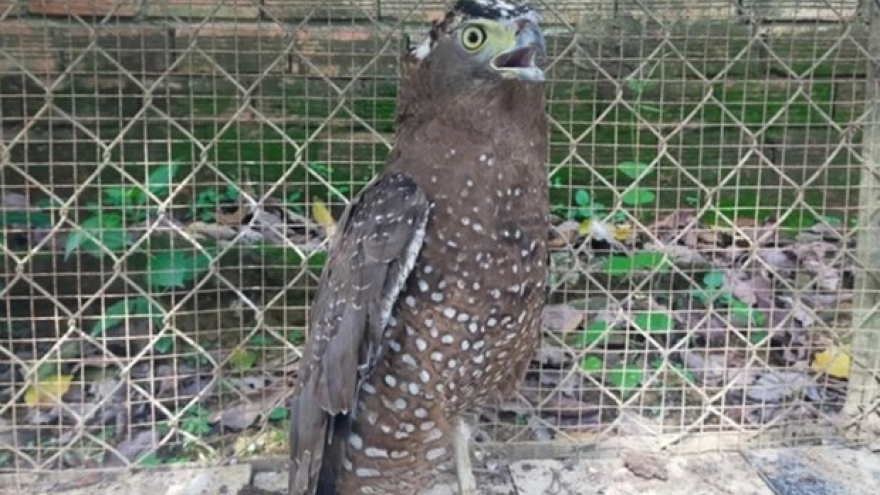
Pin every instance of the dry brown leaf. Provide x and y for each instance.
(132, 448)
(563, 234)
(242, 413)
(645, 465)
(776, 385)
(233, 219)
(561, 318)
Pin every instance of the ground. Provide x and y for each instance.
(821, 470)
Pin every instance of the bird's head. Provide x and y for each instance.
(479, 42)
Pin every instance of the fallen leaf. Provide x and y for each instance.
(622, 232)
(564, 233)
(646, 465)
(322, 216)
(598, 230)
(561, 318)
(632, 423)
(242, 359)
(242, 413)
(48, 391)
(834, 361)
(775, 386)
(131, 448)
(233, 219)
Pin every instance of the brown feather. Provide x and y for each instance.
(387, 370)
(380, 236)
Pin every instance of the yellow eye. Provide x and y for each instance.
(473, 37)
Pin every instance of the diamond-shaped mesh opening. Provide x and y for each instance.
(169, 172)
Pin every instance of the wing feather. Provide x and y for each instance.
(378, 241)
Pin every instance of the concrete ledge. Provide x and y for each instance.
(640, 473)
(830, 470)
(825, 470)
(211, 481)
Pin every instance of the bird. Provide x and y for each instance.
(428, 306)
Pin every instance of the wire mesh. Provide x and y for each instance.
(171, 170)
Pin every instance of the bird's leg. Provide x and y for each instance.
(467, 484)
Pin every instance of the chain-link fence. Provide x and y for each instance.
(171, 169)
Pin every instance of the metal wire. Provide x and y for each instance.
(169, 172)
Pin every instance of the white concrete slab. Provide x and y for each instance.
(824, 470)
(213, 481)
(707, 474)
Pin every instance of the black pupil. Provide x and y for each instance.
(474, 37)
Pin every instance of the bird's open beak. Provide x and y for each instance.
(519, 62)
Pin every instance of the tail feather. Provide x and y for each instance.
(339, 429)
(317, 441)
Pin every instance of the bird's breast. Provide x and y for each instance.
(469, 313)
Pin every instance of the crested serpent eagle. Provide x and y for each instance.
(429, 304)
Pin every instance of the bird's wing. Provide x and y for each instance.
(377, 243)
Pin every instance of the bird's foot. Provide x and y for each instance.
(467, 484)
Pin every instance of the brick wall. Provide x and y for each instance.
(220, 46)
(254, 36)
(147, 38)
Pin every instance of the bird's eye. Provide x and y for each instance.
(473, 37)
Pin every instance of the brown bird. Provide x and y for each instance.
(430, 301)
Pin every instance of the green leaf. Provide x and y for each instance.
(632, 169)
(115, 196)
(159, 182)
(112, 316)
(657, 363)
(654, 322)
(232, 192)
(105, 228)
(294, 198)
(642, 260)
(832, 220)
(317, 260)
(742, 311)
(706, 297)
(320, 169)
(713, 280)
(164, 345)
(174, 269)
(756, 337)
(142, 306)
(29, 218)
(149, 460)
(583, 212)
(636, 197)
(625, 377)
(197, 422)
(278, 414)
(242, 359)
(260, 340)
(592, 364)
(636, 85)
(594, 332)
(581, 197)
(645, 108)
(296, 336)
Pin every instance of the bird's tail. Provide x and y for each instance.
(317, 442)
(339, 430)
